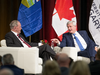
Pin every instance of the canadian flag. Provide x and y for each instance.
(63, 12)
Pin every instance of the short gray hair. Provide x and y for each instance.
(13, 23)
(7, 59)
(71, 22)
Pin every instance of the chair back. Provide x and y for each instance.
(3, 43)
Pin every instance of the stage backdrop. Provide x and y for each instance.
(9, 12)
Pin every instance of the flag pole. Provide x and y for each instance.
(30, 38)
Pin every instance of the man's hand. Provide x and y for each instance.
(40, 44)
(55, 40)
(96, 48)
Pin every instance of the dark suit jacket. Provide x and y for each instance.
(15, 69)
(95, 67)
(69, 42)
(13, 41)
(64, 70)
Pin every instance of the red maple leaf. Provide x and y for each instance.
(63, 9)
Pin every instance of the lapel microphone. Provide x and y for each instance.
(74, 38)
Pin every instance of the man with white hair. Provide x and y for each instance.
(78, 39)
(15, 39)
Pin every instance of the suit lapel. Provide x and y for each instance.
(71, 39)
(84, 36)
(16, 39)
(81, 34)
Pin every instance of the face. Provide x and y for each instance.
(18, 28)
(71, 28)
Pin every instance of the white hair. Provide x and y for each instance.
(13, 24)
(71, 22)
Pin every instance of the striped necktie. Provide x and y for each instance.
(23, 41)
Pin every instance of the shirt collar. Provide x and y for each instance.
(75, 33)
(14, 33)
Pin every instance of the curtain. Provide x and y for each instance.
(47, 32)
(9, 12)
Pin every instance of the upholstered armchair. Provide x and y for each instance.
(25, 58)
(71, 52)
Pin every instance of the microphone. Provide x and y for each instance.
(74, 38)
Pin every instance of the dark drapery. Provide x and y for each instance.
(9, 11)
(84, 15)
(47, 31)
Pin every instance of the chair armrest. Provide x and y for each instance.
(70, 51)
(26, 58)
(3, 43)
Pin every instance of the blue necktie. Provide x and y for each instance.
(78, 42)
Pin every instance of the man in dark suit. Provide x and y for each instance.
(87, 48)
(15, 39)
(64, 63)
(8, 62)
(95, 66)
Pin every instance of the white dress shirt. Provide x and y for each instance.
(20, 40)
(80, 39)
(76, 45)
(82, 42)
